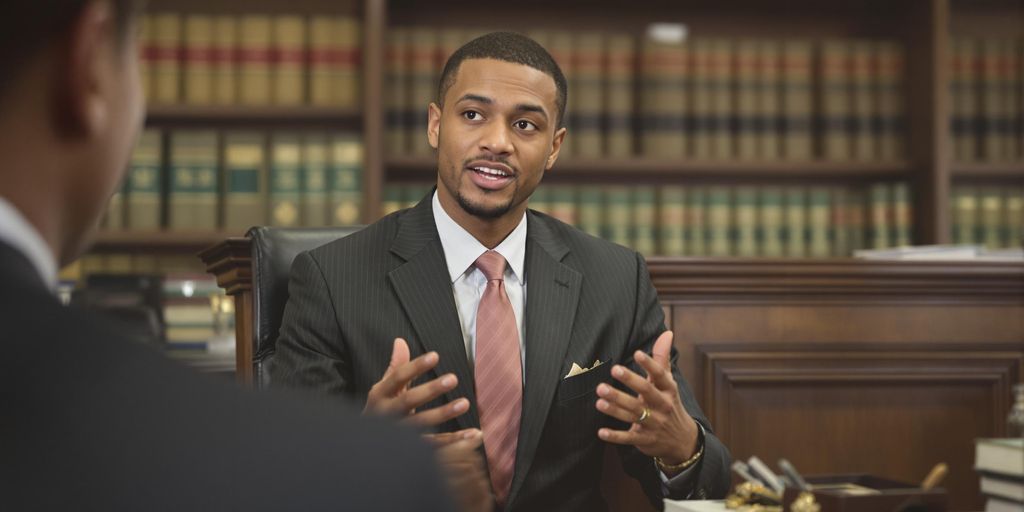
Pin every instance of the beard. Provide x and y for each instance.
(486, 212)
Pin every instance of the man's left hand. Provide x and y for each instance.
(667, 430)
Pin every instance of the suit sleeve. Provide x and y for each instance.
(310, 351)
(712, 479)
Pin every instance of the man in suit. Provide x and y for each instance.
(548, 340)
(91, 420)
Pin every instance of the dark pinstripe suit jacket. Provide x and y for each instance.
(587, 300)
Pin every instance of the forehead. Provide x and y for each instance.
(503, 82)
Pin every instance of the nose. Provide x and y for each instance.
(497, 139)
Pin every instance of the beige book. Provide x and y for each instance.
(863, 80)
(992, 103)
(797, 101)
(723, 142)
(561, 49)
(315, 187)
(663, 97)
(1014, 216)
(424, 77)
(588, 65)
(289, 69)
(836, 100)
(746, 98)
(619, 96)
(701, 99)
(225, 68)
(246, 181)
(147, 51)
(346, 194)
(285, 180)
(397, 87)
(769, 99)
(167, 56)
(890, 61)
(321, 48)
(199, 59)
(254, 57)
(345, 71)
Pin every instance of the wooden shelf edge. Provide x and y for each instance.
(988, 170)
(184, 114)
(134, 240)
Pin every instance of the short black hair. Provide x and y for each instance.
(508, 47)
(26, 29)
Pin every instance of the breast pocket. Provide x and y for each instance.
(582, 385)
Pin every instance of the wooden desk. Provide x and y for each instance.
(838, 365)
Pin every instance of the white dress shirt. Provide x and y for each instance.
(461, 250)
(16, 231)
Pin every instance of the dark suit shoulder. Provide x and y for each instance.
(587, 253)
(364, 244)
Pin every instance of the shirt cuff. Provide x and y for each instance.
(681, 482)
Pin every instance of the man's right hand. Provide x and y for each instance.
(463, 466)
(393, 395)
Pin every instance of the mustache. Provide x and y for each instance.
(490, 158)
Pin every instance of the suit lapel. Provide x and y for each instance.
(425, 292)
(552, 294)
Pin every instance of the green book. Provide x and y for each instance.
(856, 219)
(563, 203)
(719, 225)
(285, 180)
(771, 225)
(540, 200)
(818, 220)
(644, 219)
(345, 181)
(618, 201)
(618, 109)
(315, 190)
(990, 201)
(837, 104)
(393, 199)
(965, 212)
(1014, 216)
(745, 211)
(795, 222)
(902, 220)
(672, 221)
(797, 100)
(145, 183)
(591, 207)
(880, 205)
(246, 188)
(194, 181)
(839, 230)
(696, 231)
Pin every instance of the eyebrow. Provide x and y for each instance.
(519, 107)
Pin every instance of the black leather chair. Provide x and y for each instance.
(273, 250)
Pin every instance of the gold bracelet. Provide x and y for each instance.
(682, 465)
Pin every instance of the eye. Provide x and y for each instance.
(471, 115)
(525, 125)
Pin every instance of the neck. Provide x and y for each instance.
(488, 231)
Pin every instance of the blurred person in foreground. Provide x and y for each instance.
(468, 311)
(91, 420)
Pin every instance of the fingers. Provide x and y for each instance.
(396, 379)
(662, 350)
(399, 355)
(643, 387)
(660, 375)
(439, 415)
(618, 405)
(422, 394)
(624, 436)
(447, 438)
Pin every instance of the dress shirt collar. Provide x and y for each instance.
(461, 249)
(17, 232)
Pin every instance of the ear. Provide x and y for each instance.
(433, 124)
(556, 146)
(85, 62)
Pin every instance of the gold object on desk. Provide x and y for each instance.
(753, 497)
(805, 503)
(935, 476)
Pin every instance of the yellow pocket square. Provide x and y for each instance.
(579, 370)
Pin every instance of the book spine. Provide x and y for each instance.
(769, 85)
(902, 225)
(965, 212)
(991, 101)
(862, 78)
(397, 90)
(254, 60)
(588, 63)
(879, 227)
(392, 201)
(619, 218)
(771, 226)
(346, 59)
(285, 182)
(288, 55)
(839, 232)
(1009, 96)
(644, 219)
(818, 221)
(198, 60)
(890, 123)
(322, 52)
(424, 75)
(315, 212)
(563, 203)
(225, 60)
(346, 197)
(836, 101)
(745, 68)
(745, 212)
(795, 222)
(245, 196)
(723, 112)
(147, 53)
(672, 220)
(991, 204)
(591, 210)
(663, 103)
(619, 97)
(719, 222)
(560, 46)
(702, 105)
(696, 233)
(541, 200)
(194, 181)
(797, 101)
(145, 183)
(1013, 216)
(166, 58)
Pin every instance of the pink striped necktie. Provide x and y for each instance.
(499, 375)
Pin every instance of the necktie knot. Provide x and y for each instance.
(492, 264)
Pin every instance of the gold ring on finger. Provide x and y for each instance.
(643, 416)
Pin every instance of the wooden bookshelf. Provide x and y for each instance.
(158, 241)
(220, 116)
(1007, 170)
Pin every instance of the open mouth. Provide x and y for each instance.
(490, 175)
